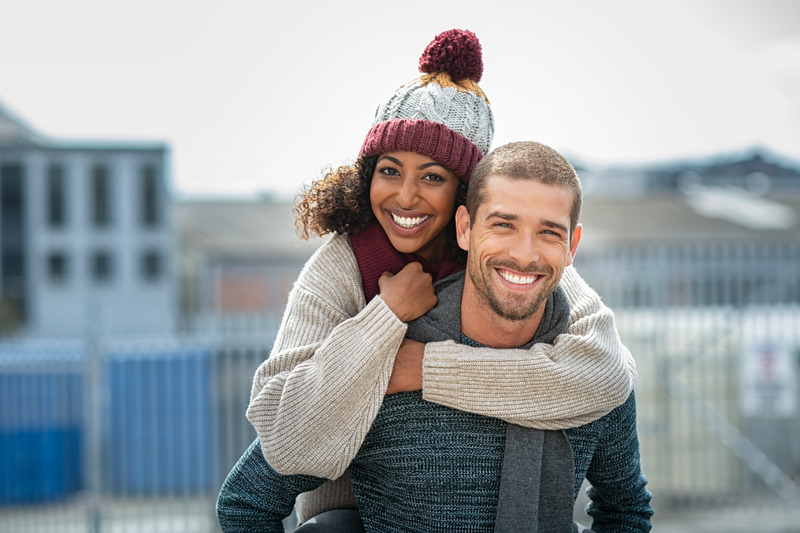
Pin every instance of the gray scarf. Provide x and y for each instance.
(538, 475)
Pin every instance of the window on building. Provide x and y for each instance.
(102, 266)
(57, 267)
(149, 204)
(101, 196)
(13, 245)
(56, 197)
(151, 266)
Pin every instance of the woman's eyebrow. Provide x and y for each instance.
(431, 164)
(392, 159)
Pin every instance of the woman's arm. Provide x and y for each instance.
(315, 398)
(585, 374)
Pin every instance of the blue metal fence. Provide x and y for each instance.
(130, 435)
(160, 443)
(41, 423)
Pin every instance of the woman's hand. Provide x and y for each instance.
(407, 370)
(409, 293)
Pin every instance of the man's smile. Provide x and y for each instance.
(518, 279)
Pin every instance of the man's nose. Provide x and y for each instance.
(525, 250)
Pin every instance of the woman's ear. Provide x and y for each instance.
(462, 227)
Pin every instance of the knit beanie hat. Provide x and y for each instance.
(443, 114)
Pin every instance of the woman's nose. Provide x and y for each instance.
(407, 196)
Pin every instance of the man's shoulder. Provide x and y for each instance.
(451, 286)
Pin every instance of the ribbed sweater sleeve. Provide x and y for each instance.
(585, 374)
(315, 398)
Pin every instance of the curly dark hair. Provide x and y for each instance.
(339, 202)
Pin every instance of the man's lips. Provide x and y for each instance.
(518, 279)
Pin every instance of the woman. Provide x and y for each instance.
(314, 399)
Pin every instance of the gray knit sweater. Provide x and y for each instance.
(426, 467)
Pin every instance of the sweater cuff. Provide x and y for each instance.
(440, 373)
(378, 318)
(381, 332)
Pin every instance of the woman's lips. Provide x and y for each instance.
(408, 222)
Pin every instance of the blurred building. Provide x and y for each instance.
(238, 260)
(86, 238)
(721, 231)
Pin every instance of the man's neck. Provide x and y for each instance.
(481, 324)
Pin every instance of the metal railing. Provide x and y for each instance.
(715, 330)
(122, 434)
(137, 434)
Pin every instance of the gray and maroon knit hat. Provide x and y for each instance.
(442, 114)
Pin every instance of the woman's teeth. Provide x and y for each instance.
(408, 222)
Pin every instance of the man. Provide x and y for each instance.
(426, 467)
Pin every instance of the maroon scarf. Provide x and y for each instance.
(376, 255)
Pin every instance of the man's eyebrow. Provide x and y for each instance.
(503, 215)
(555, 225)
(510, 216)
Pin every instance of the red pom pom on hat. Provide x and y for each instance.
(457, 52)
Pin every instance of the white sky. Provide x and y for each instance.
(255, 96)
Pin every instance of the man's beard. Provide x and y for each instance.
(513, 309)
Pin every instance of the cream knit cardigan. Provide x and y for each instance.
(315, 398)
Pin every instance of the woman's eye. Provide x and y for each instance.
(388, 171)
(434, 177)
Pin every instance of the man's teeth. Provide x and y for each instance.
(519, 280)
(408, 222)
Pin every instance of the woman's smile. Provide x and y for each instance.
(408, 221)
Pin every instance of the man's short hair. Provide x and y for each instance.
(525, 160)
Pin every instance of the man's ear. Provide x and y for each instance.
(462, 228)
(573, 245)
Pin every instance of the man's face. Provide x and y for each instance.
(518, 244)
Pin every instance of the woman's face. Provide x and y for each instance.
(413, 198)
